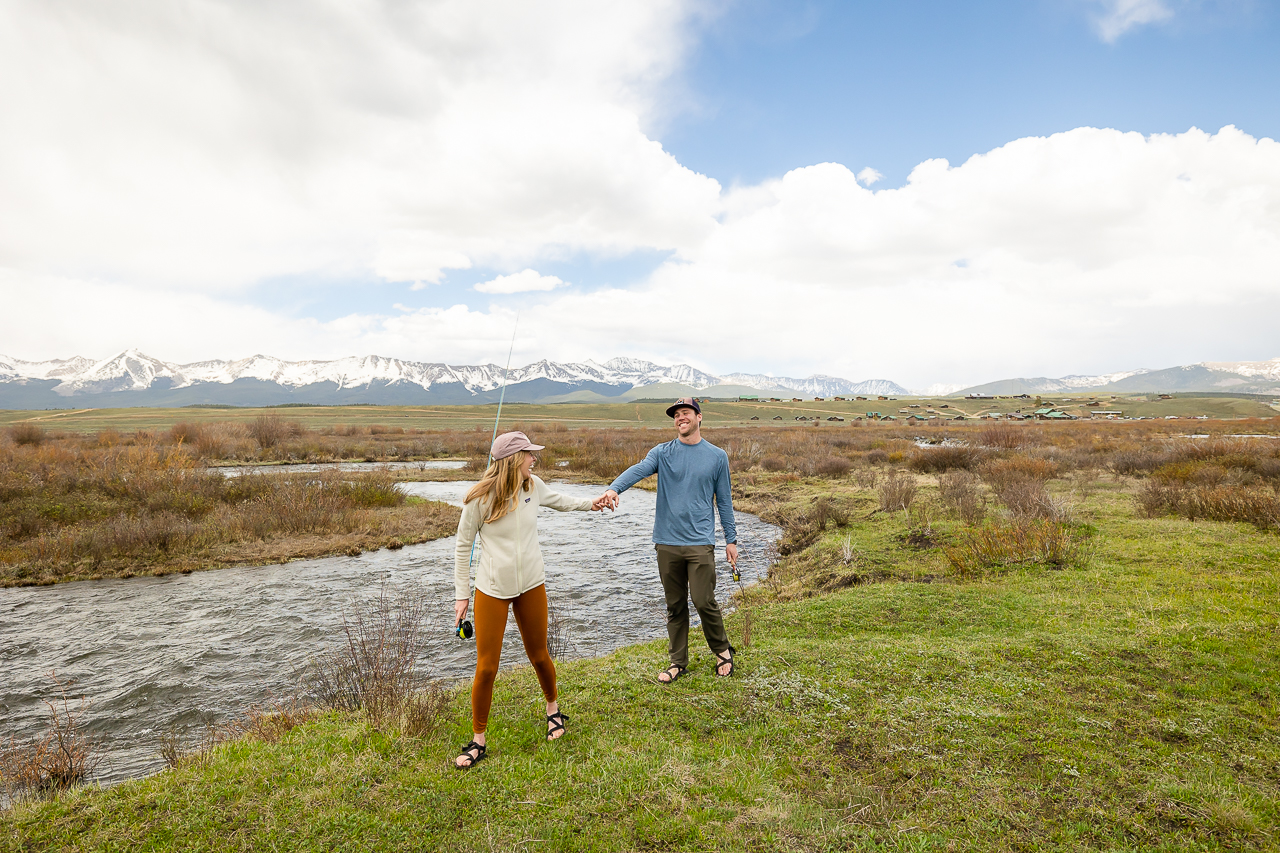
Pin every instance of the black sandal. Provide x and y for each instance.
(557, 720)
(672, 677)
(722, 661)
(480, 753)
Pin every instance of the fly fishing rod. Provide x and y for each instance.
(464, 628)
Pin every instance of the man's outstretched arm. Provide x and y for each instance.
(646, 467)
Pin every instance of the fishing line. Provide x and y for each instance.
(463, 629)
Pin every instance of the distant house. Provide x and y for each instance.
(944, 406)
(753, 398)
(959, 418)
(1166, 396)
(835, 418)
(875, 415)
(913, 405)
(819, 400)
(796, 400)
(904, 411)
(1107, 413)
(888, 418)
(882, 397)
(859, 398)
(838, 399)
(979, 397)
(755, 417)
(777, 417)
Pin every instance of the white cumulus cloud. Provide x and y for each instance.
(869, 176)
(520, 282)
(209, 146)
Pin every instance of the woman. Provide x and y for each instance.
(503, 509)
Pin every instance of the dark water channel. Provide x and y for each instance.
(154, 653)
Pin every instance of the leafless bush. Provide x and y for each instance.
(27, 434)
(960, 494)
(773, 463)
(61, 758)
(559, 635)
(1028, 498)
(1215, 503)
(877, 457)
(268, 430)
(1026, 541)
(375, 667)
(865, 478)
(802, 530)
(833, 466)
(1005, 436)
(897, 491)
(944, 458)
(999, 472)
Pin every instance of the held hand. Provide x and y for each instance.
(609, 500)
(599, 504)
(731, 551)
(460, 610)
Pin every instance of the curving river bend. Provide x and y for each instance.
(154, 653)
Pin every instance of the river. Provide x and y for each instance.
(152, 654)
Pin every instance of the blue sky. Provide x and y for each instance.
(642, 178)
(772, 86)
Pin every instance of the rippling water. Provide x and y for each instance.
(152, 653)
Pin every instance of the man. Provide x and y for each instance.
(693, 479)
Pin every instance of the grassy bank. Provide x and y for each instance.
(898, 693)
(73, 508)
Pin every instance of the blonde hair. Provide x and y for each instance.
(499, 485)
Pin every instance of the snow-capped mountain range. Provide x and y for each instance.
(1255, 377)
(133, 374)
(133, 378)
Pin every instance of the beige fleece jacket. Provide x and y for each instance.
(508, 559)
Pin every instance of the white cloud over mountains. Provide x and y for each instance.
(158, 159)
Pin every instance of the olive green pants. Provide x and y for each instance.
(689, 571)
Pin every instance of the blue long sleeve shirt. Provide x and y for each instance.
(693, 479)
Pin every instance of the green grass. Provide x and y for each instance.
(1128, 705)
(605, 415)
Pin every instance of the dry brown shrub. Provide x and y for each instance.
(1006, 436)
(1028, 498)
(56, 761)
(961, 495)
(833, 466)
(999, 472)
(865, 478)
(376, 668)
(773, 463)
(877, 457)
(1027, 541)
(939, 458)
(1214, 503)
(29, 435)
(897, 491)
(268, 430)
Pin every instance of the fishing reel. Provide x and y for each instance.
(463, 629)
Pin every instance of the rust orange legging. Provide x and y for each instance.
(491, 623)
